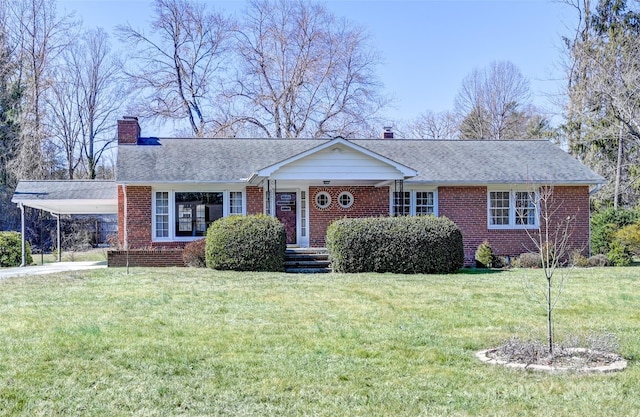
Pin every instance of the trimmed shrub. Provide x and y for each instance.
(246, 243)
(193, 254)
(528, 260)
(484, 255)
(598, 260)
(604, 225)
(11, 250)
(407, 245)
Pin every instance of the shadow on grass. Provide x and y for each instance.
(480, 271)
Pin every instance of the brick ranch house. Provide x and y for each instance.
(169, 190)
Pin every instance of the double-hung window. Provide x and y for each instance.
(413, 203)
(513, 209)
(162, 214)
(402, 203)
(235, 202)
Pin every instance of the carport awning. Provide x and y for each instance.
(68, 197)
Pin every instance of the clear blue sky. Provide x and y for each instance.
(428, 46)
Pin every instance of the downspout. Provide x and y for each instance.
(58, 236)
(24, 243)
(124, 227)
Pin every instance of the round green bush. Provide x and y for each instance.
(407, 245)
(246, 243)
(11, 250)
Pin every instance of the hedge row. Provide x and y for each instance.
(407, 245)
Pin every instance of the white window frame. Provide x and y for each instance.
(513, 217)
(322, 193)
(351, 199)
(413, 200)
(155, 215)
(226, 209)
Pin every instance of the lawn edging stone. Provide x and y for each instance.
(617, 365)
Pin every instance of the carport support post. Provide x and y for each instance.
(57, 216)
(24, 243)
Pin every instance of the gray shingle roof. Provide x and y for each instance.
(68, 197)
(438, 162)
(65, 190)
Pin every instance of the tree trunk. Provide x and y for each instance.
(549, 322)
(616, 193)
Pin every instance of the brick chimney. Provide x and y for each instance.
(128, 130)
(387, 132)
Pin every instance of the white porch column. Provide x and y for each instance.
(24, 243)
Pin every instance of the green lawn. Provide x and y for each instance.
(205, 343)
(97, 254)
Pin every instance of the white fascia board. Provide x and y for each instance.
(498, 183)
(405, 170)
(185, 182)
(75, 206)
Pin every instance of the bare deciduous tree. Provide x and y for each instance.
(40, 36)
(553, 244)
(490, 102)
(303, 72)
(177, 66)
(430, 125)
(87, 93)
(63, 123)
(100, 94)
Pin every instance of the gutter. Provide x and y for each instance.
(595, 189)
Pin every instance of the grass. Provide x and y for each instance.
(195, 342)
(97, 254)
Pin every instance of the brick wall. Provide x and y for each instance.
(138, 216)
(368, 202)
(467, 207)
(255, 202)
(145, 258)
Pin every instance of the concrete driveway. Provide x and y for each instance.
(51, 268)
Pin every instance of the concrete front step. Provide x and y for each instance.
(307, 270)
(307, 263)
(307, 260)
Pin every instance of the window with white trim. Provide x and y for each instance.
(185, 215)
(235, 202)
(425, 203)
(414, 203)
(345, 199)
(303, 213)
(195, 211)
(323, 200)
(512, 209)
(162, 214)
(402, 203)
